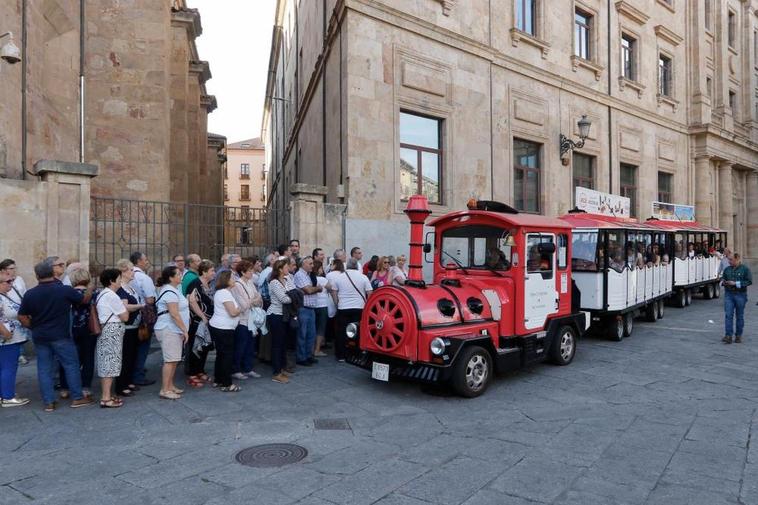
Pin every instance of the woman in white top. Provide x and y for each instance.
(226, 315)
(171, 327)
(350, 290)
(18, 288)
(12, 337)
(112, 314)
(397, 275)
(246, 295)
(322, 306)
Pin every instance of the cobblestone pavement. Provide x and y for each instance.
(665, 417)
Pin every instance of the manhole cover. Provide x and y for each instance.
(331, 424)
(271, 455)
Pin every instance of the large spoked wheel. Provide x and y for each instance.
(615, 328)
(688, 297)
(681, 298)
(564, 347)
(628, 324)
(473, 372)
(387, 318)
(716, 290)
(661, 304)
(651, 312)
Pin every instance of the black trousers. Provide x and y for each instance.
(344, 317)
(278, 330)
(194, 365)
(128, 359)
(224, 342)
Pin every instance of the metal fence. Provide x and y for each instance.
(161, 230)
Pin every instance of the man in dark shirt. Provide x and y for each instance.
(735, 278)
(46, 309)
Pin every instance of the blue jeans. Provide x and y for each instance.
(244, 349)
(9, 354)
(143, 349)
(65, 352)
(734, 301)
(306, 334)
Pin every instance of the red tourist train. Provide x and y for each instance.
(511, 290)
(501, 299)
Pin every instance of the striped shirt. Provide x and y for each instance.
(279, 295)
(303, 280)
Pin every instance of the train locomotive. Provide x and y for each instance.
(501, 299)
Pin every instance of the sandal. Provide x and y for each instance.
(177, 390)
(234, 388)
(204, 377)
(195, 381)
(169, 395)
(110, 404)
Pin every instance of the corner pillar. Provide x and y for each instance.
(752, 218)
(704, 197)
(726, 200)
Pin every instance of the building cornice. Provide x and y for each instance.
(190, 19)
(202, 69)
(668, 35)
(631, 12)
(209, 102)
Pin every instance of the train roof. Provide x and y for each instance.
(692, 226)
(600, 221)
(506, 219)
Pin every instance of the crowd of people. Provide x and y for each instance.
(285, 310)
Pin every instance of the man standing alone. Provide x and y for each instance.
(736, 278)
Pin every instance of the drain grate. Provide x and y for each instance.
(271, 455)
(331, 424)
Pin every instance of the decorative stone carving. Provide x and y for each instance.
(447, 6)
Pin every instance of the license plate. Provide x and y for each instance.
(380, 371)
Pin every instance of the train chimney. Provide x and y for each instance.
(417, 211)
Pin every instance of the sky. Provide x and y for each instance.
(236, 41)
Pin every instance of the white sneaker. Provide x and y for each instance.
(240, 376)
(15, 402)
(22, 360)
(253, 374)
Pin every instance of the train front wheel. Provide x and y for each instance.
(473, 372)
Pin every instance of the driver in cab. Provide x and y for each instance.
(496, 259)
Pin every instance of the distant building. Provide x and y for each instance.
(245, 174)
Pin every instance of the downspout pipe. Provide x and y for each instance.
(23, 89)
(81, 80)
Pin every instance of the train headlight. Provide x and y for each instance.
(437, 346)
(351, 330)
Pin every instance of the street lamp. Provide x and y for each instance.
(584, 131)
(10, 51)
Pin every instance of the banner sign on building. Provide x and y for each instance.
(673, 212)
(595, 202)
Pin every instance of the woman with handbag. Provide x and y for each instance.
(226, 314)
(247, 297)
(12, 337)
(134, 304)
(280, 283)
(171, 328)
(111, 315)
(200, 296)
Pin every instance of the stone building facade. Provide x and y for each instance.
(365, 94)
(135, 73)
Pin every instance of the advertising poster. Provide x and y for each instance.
(595, 202)
(673, 212)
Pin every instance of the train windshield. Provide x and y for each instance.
(482, 247)
(585, 251)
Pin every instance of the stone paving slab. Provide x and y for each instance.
(667, 416)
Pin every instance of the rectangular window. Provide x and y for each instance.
(732, 101)
(562, 251)
(526, 175)
(629, 57)
(245, 171)
(245, 192)
(664, 187)
(226, 172)
(584, 171)
(226, 193)
(732, 29)
(526, 16)
(629, 186)
(709, 87)
(708, 14)
(664, 75)
(582, 34)
(421, 156)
